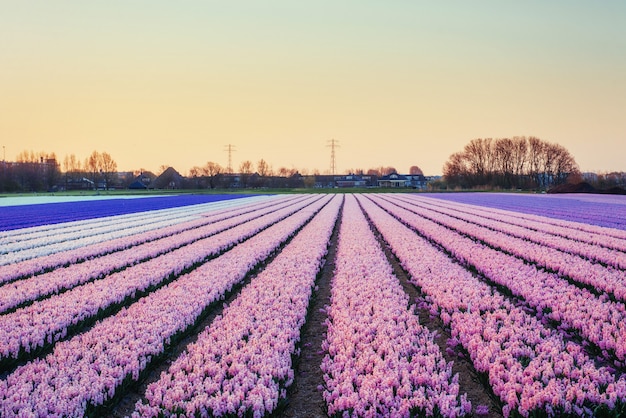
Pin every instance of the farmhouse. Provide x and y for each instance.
(351, 180)
(169, 179)
(395, 180)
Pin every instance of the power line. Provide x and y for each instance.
(230, 149)
(333, 144)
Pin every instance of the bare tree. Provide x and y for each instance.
(91, 166)
(478, 156)
(355, 171)
(195, 171)
(536, 160)
(35, 171)
(72, 168)
(520, 159)
(71, 164)
(108, 169)
(51, 171)
(502, 157)
(263, 168)
(510, 162)
(563, 164)
(26, 171)
(455, 171)
(212, 171)
(27, 157)
(415, 171)
(245, 170)
(101, 167)
(381, 171)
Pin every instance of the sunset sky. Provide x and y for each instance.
(396, 83)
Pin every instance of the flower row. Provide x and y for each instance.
(597, 250)
(39, 237)
(601, 210)
(596, 319)
(46, 230)
(21, 213)
(575, 267)
(590, 234)
(88, 369)
(35, 266)
(66, 242)
(61, 279)
(241, 364)
(529, 367)
(51, 246)
(379, 360)
(48, 320)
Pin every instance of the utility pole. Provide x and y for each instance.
(333, 143)
(230, 149)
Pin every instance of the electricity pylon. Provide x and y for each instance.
(333, 143)
(230, 149)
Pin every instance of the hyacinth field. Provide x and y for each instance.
(357, 305)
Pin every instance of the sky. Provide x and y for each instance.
(394, 83)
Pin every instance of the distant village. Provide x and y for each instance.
(549, 168)
(45, 175)
(171, 179)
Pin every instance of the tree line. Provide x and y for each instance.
(507, 163)
(42, 171)
(500, 163)
(264, 174)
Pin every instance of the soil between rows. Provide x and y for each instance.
(134, 393)
(304, 397)
(124, 405)
(476, 392)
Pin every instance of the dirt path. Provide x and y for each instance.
(124, 405)
(134, 392)
(477, 393)
(304, 399)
